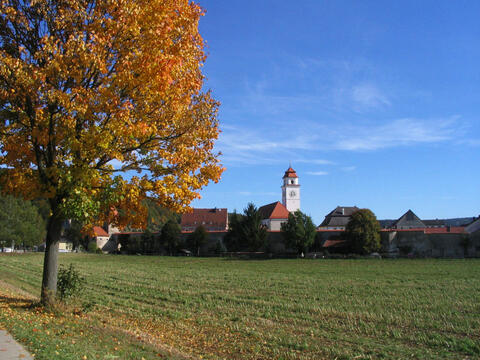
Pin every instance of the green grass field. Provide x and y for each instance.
(159, 307)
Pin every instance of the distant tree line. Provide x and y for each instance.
(167, 241)
(21, 223)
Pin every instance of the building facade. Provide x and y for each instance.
(273, 215)
(211, 219)
(291, 190)
(338, 218)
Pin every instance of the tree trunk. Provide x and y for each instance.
(50, 262)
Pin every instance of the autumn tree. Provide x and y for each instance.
(298, 231)
(91, 90)
(363, 232)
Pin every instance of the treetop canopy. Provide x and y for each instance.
(93, 89)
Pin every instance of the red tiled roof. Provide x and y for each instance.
(442, 230)
(403, 230)
(332, 243)
(445, 230)
(290, 173)
(274, 210)
(211, 219)
(209, 231)
(98, 231)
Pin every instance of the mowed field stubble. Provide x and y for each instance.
(215, 308)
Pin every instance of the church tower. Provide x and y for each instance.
(291, 190)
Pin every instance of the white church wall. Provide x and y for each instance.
(276, 224)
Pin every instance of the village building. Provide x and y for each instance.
(409, 220)
(436, 223)
(211, 219)
(275, 214)
(473, 227)
(338, 218)
(291, 190)
(100, 236)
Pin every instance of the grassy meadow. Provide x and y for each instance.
(138, 307)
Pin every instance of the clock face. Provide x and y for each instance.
(292, 193)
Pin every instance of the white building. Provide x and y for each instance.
(275, 214)
(291, 191)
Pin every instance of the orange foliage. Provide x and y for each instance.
(93, 89)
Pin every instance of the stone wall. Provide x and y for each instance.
(417, 243)
(395, 243)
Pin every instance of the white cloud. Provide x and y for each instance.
(317, 173)
(369, 96)
(245, 146)
(245, 193)
(261, 193)
(257, 146)
(348, 168)
(400, 132)
(470, 142)
(315, 161)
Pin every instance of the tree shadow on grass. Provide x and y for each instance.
(19, 302)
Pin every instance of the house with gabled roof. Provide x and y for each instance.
(211, 219)
(435, 223)
(338, 218)
(273, 215)
(473, 227)
(100, 236)
(408, 221)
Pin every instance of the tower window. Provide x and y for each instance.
(291, 181)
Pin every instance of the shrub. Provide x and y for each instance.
(92, 247)
(69, 282)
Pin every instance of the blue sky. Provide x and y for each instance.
(375, 103)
